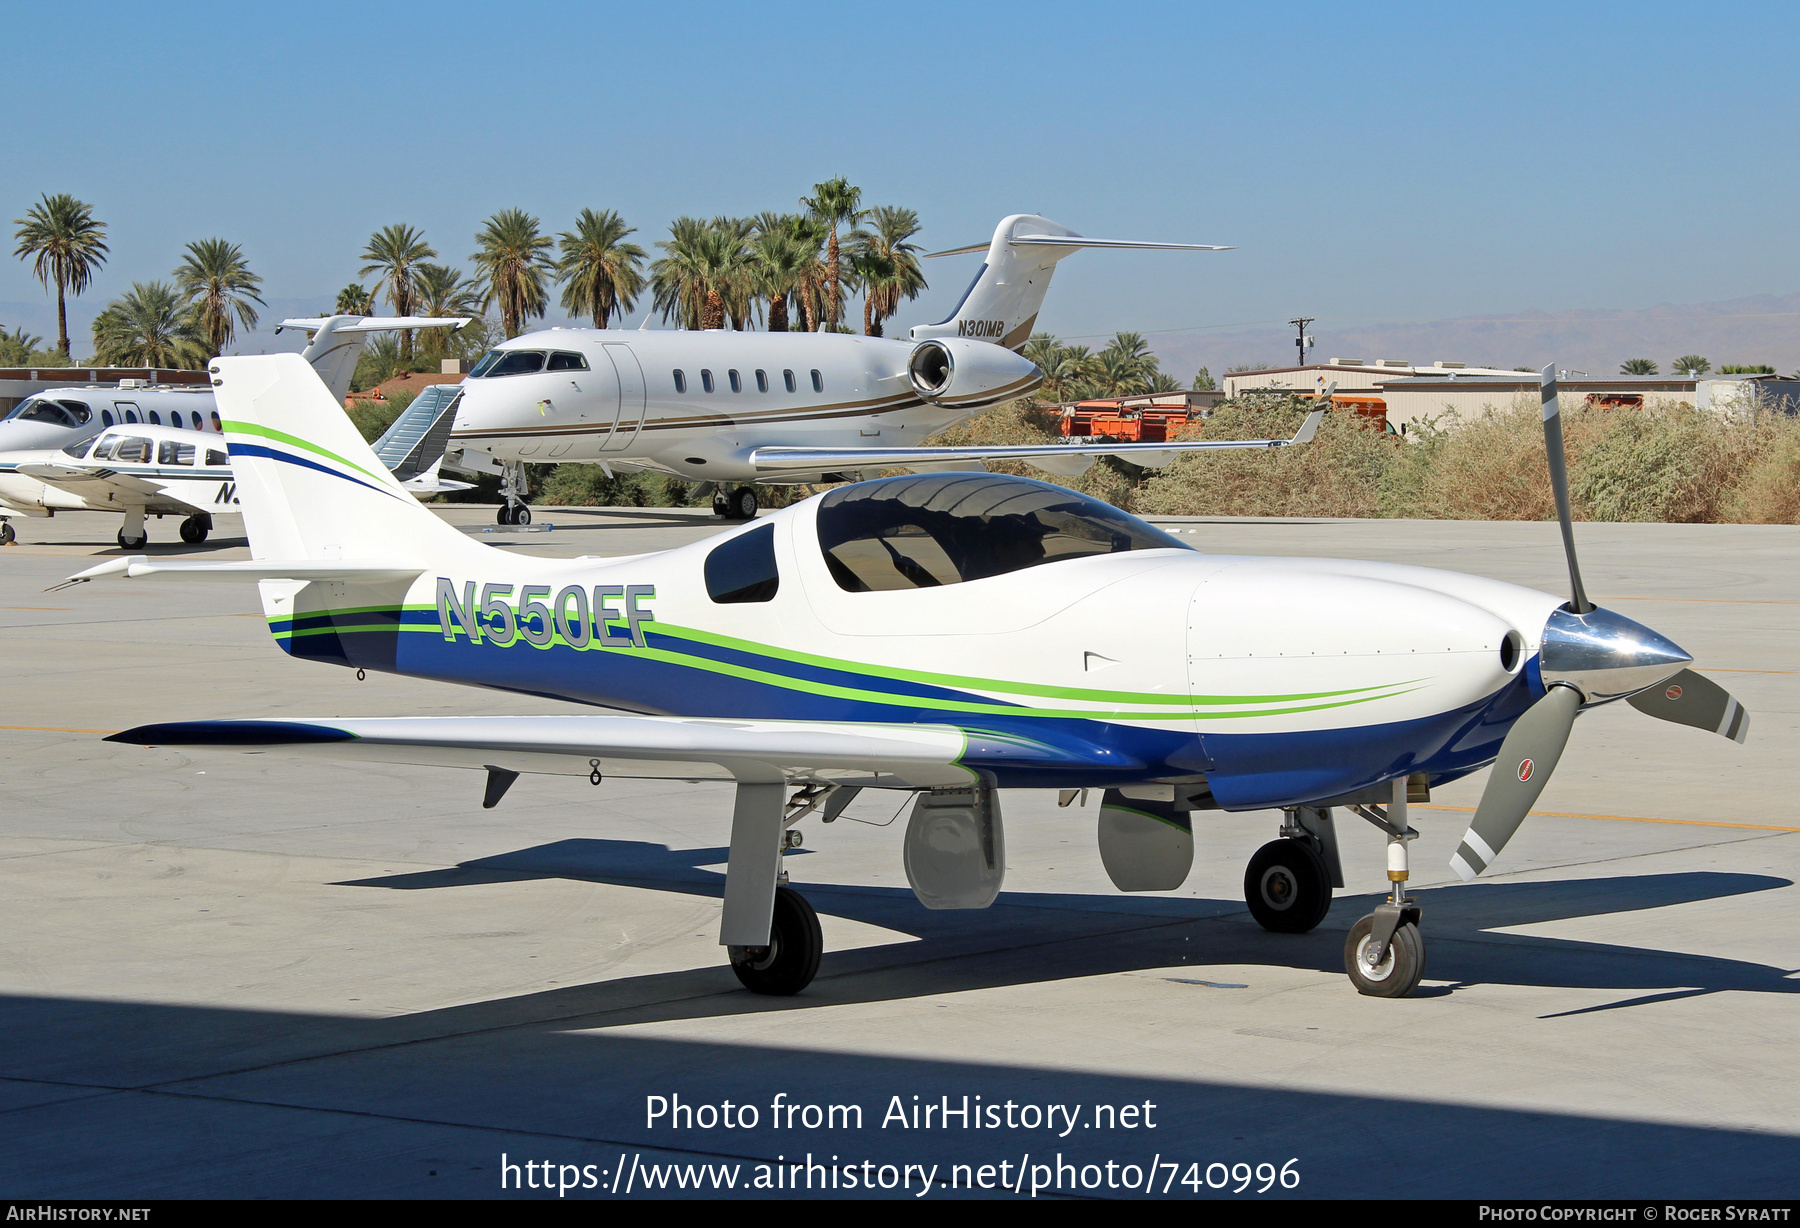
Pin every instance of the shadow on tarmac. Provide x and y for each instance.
(117, 1099)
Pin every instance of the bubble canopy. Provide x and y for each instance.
(929, 530)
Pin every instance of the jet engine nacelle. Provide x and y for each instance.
(965, 374)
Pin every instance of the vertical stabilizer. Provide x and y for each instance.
(1001, 305)
(308, 485)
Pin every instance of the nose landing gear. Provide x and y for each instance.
(1385, 954)
(515, 488)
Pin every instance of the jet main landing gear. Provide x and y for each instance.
(739, 504)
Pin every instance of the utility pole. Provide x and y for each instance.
(1302, 341)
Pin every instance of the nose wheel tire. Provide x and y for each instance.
(790, 961)
(1401, 967)
(1287, 887)
(133, 543)
(195, 528)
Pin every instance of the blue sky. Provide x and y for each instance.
(1372, 162)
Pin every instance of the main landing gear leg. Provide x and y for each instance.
(769, 931)
(132, 534)
(1288, 882)
(1384, 954)
(515, 488)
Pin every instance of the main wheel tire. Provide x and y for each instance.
(194, 530)
(6, 534)
(504, 515)
(791, 960)
(522, 515)
(1286, 886)
(744, 504)
(1399, 971)
(133, 543)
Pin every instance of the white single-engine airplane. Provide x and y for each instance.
(52, 460)
(940, 634)
(782, 408)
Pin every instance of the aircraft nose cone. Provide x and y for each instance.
(1606, 655)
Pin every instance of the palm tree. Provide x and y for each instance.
(1638, 366)
(149, 327)
(444, 291)
(737, 285)
(68, 246)
(353, 300)
(887, 239)
(1692, 364)
(514, 258)
(603, 274)
(392, 252)
(779, 262)
(807, 291)
(705, 270)
(1065, 367)
(834, 203)
(219, 286)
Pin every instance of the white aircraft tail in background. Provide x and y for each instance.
(1001, 304)
(337, 342)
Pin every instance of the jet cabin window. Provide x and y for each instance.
(496, 363)
(743, 569)
(762, 381)
(680, 381)
(935, 529)
(818, 381)
(706, 380)
(737, 385)
(787, 377)
(562, 360)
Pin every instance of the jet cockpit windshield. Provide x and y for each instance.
(55, 413)
(496, 363)
(945, 528)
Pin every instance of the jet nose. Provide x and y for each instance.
(1606, 655)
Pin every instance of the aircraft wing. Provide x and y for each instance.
(655, 747)
(94, 482)
(1055, 457)
(343, 571)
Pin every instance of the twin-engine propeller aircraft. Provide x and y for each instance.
(782, 408)
(946, 634)
(51, 460)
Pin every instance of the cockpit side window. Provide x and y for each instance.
(936, 529)
(743, 569)
(78, 450)
(496, 363)
(562, 360)
(78, 410)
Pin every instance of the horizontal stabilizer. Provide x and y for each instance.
(879, 756)
(343, 571)
(376, 324)
(825, 460)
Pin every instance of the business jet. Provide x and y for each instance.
(935, 634)
(161, 468)
(727, 407)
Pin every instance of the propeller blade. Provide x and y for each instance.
(1690, 699)
(1559, 482)
(1527, 757)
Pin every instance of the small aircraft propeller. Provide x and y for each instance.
(1588, 655)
